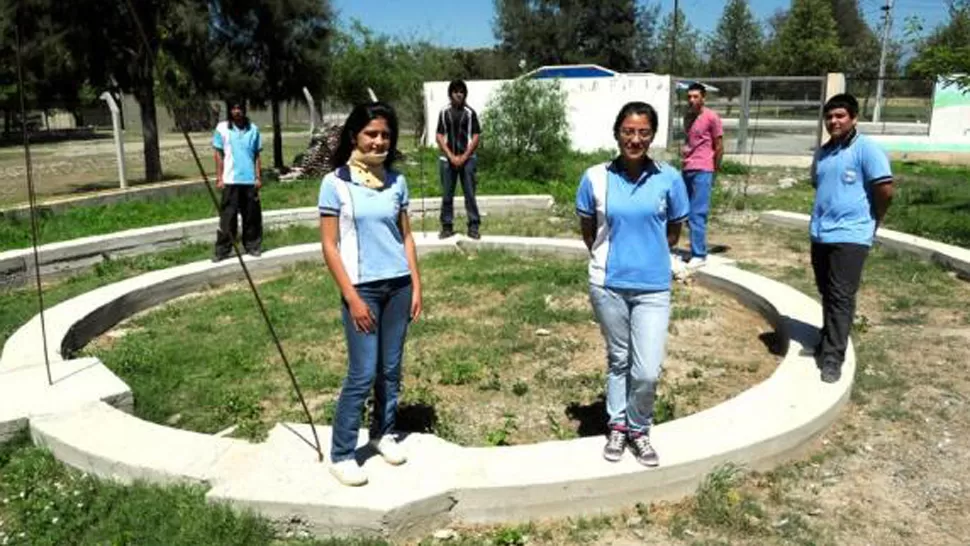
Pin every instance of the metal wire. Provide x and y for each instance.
(31, 196)
(242, 263)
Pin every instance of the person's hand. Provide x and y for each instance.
(361, 314)
(456, 161)
(219, 183)
(415, 304)
(259, 183)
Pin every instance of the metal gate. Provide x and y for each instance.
(761, 115)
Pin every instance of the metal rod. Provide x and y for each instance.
(242, 263)
(31, 197)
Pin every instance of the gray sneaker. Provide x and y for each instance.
(645, 454)
(615, 444)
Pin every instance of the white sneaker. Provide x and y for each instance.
(696, 262)
(348, 473)
(390, 450)
(677, 265)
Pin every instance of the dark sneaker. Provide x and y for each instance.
(644, 452)
(615, 444)
(217, 258)
(446, 231)
(255, 253)
(831, 372)
(473, 233)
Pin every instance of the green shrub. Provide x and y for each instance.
(526, 133)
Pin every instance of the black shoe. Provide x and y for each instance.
(446, 231)
(831, 372)
(615, 444)
(641, 447)
(255, 253)
(473, 234)
(219, 257)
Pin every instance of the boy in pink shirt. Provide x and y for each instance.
(701, 156)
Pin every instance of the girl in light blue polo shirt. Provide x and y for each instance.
(631, 210)
(369, 250)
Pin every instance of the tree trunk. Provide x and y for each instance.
(145, 95)
(277, 136)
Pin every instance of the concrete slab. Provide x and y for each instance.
(951, 257)
(102, 440)
(25, 392)
(285, 481)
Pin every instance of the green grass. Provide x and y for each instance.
(422, 181)
(931, 201)
(42, 502)
(189, 366)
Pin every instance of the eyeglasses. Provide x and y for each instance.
(628, 132)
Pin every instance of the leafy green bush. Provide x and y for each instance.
(526, 133)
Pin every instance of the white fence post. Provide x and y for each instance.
(119, 138)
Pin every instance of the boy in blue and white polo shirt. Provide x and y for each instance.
(237, 145)
(853, 191)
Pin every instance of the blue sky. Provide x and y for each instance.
(468, 23)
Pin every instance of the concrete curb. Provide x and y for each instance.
(951, 257)
(442, 483)
(68, 256)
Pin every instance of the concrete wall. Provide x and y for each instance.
(592, 105)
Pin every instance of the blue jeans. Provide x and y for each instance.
(634, 325)
(699, 191)
(449, 178)
(374, 361)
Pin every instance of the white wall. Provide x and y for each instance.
(592, 105)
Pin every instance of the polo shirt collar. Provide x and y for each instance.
(616, 166)
(844, 143)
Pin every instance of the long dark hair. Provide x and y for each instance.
(230, 104)
(361, 115)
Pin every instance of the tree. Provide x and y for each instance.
(946, 52)
(528, 129)
(54, 74)
(122, 41)
(737, 44)
(687, 60)
(808, 41)
(647, 52)
(283, 46)
(548, 32)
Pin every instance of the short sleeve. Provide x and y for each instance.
(441, 124)
(476, 127)
(404, 196)
(875, 164)
(717, 129)
(329, 203)
(258, 142)
(678, 204)
(217, 140)
(585, 200)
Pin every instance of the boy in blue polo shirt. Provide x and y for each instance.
(237, 145)
(853, 190)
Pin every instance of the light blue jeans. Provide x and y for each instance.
(634, 325)
(699, 184)
(374, 363)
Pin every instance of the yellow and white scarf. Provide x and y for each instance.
(368, 168)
